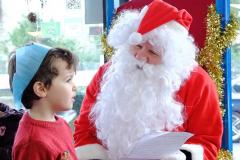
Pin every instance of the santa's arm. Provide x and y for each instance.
(203, 120)
(86, 143)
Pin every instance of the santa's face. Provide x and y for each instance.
(146, 52)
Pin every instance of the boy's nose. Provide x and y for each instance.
(74, 88)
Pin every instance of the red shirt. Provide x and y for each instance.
(42, 140)
(202, 111)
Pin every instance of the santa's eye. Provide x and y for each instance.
(139, 46)
(152, 52)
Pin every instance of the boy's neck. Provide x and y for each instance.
(42, 113)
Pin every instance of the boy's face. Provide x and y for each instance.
(62, 91)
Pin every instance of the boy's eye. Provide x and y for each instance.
(69, 80)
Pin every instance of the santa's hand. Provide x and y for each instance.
(178, 155)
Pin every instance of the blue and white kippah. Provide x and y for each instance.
(28, 61)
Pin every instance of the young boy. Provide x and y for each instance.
(41, 79)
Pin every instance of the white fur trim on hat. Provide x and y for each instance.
(195, 150)
(91, 151)
(126, 24)
(135, 38)
(143, 12)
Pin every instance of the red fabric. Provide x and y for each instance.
(197, 9)
(134, 4)
(198, 94)
(85, 132)
(41, 140)
(202, 108)
(159, 13)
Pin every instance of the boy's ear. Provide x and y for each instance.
(39, 89)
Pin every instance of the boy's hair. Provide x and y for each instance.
(46, 72)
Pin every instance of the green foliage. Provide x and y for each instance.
(20, 35)
(78, 101)
(88, 53)
(4, 47)
(235, 2)
(61, 42)
(17, 37)
(235, 12)
(235, 48)
(235, 59)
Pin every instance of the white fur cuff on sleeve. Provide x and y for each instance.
(91, 151)
(195, 150)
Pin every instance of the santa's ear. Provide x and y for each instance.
(39, 89)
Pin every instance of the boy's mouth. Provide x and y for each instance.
(73, 99)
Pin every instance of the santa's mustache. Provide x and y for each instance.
(141, 64)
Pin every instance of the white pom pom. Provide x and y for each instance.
(135, 38)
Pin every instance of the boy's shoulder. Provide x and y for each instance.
(48, 136)
(30, 129)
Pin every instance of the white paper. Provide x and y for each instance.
(156, 144)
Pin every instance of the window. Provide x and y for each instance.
(235, 8)
(57, 23)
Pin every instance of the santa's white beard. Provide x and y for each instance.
(133, 101)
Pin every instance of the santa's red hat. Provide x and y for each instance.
(159, 13)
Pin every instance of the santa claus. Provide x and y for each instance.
(152, 82)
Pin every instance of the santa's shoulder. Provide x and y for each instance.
(198, 85)
(198, 79)
(199, 75)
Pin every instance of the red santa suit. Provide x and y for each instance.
(203, 118)
(182, 84)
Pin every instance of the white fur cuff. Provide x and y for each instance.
(91, 151)
(195, 150)
(135, 38)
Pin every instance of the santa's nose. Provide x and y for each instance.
(141, 55)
